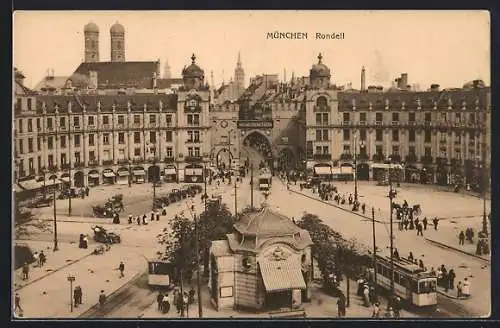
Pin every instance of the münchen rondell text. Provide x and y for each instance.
(304, 36)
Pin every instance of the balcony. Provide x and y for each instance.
(107, 162)
(346, 157)
(77, 128)
(106, 127)
(193, 141)
(93, 163)
(412, 158)
(168, 160)
(122, 161)
(322, 109)
(395, 158)
(193, 159)
(65, 166)
(426, 159)
(138, 160)
(378, 158)
(441, 160)
(322, 157)
(78, 165)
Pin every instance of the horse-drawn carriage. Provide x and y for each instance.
(101, 235)
(112, 205)
(42, 202)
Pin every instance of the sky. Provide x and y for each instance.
(444, 47)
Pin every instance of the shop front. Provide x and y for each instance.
(139, 174)
(346, 172)
(93, 178)
(108, 176)
(323, 171)
(170, 173)
(193, 173)
(122, 176)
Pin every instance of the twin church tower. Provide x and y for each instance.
(117, 33)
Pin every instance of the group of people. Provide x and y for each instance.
(468, 234)
(39, 260)
(144, 219)
(181, 301)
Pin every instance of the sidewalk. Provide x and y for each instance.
(48, 295)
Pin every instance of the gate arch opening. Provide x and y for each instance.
(258, 150)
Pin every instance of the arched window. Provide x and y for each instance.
(321, 102)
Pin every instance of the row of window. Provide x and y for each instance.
(192, 119)
(106, 156)
(193, 137)
(323, 134)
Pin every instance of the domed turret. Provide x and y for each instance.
(319, 75)
(193, 70)
(193, 75)
(117, 28)
(91, 27)
(320, 69)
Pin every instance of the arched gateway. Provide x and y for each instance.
(256, 149)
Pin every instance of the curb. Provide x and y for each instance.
(447, 295)
(53, 271)
(339, 207)
(112, 294)
(456, 250)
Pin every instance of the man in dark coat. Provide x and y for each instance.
(424, 221)
(341, 304)
(159, 301)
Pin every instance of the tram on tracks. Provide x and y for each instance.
(411, 283)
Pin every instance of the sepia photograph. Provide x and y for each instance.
(180, 165)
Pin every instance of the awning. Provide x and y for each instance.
(30, 184)
(282, 275)
(94, 175)
(170, 171)
(387, 166)
(51, 182)
(346, 170)
(320, 170)
(64, 179)
(109, 174)
(122, 173)
(139, 172)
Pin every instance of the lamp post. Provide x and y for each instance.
(391, 197)
(129, 173)
(355, 171)
(197, 250)
(44, 186)
(374, 251)
(154, 178)
(56, 248)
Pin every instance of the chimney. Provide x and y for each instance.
(363, 72)
(434, 87)
(404, 81)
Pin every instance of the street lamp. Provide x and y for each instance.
(44, 187)
(69, 190)
(154, 177)
(391, 197)
(129, 173)
(197, 250)
(56, 248)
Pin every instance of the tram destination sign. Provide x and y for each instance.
(255, 124)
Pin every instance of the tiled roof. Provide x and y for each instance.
(137, 102)
(396, 98)
(167, 83)
(117, 75)
(266, 223)
(51, 82)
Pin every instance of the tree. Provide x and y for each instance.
(23, 220)
(179, 246)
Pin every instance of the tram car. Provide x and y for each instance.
(411, 283)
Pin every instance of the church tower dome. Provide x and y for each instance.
(320, 75)
(117, 33)
(91, 37)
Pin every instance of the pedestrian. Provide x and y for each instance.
(185, 301)
(390, 313)
(424, 221)
(26, 270)
(451, 278)
(376, 310)
(366, 296)
(36, 259)
(466, 288)
(17, 303)
(341, 304)
(363, 208)
(130, 219)
(138, 219)
(176, 302)
(102, 298)
(421, 264)
(165, 304)
(397, 307)
(459, 289)
(396, 254)
(85, 242)
(87, 190)
(152, 215)
(80, 294)
(461, 237)
(432, 272)
(144, 218)
(164, 209)
(435, 221)
(159, 301)
(42, 258)
(75, 297)
(157, 215)
(410, 257)
(419, 229)
(121, 267)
